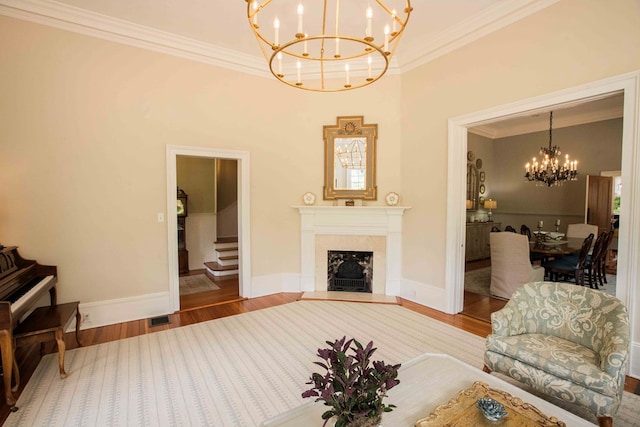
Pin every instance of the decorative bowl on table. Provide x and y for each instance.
(554, 235)
(491, 409)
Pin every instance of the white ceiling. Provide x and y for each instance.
(217, 32)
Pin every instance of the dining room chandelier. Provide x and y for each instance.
(329, 45)
(549, 171)
(353, 155)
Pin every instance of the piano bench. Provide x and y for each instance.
(48, 323)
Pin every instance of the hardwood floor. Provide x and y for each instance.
(29, 359)
(480, 306)
(229, 291)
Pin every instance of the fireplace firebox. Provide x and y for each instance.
(350, 271)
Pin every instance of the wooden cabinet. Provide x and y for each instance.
(477, 240)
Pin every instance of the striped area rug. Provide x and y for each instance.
(234, 371)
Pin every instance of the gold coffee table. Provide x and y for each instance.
(461, 411)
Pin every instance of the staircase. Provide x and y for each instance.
(226, 263)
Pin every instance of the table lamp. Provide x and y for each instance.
(490, 204)
(469, 204)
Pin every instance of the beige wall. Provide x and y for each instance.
(85, 128)
(196, 176)
(570, 43)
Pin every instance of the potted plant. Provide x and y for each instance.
(352, 385)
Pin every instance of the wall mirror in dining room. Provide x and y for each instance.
(473, 182)
(350, 159)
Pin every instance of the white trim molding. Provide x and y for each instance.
(244, 218)
(110, 312)
(352, 221)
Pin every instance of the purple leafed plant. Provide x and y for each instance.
(352, 385)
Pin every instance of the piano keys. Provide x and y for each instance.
(22, 283)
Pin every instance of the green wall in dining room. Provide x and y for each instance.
(596, 146)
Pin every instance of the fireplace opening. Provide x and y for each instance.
(350, 271)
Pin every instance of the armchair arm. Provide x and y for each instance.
(614, 353)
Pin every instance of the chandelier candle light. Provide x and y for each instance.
(329, 45)
(549, 172)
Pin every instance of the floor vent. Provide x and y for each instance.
(158, 321)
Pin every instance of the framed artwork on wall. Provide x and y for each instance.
(482, 176)
(482, 189)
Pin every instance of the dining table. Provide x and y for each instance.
(552, 248)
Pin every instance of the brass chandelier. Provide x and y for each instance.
(352, 155)
(549, 171)
(328, 45)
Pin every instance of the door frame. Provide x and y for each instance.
(629, 242)
(244, 249)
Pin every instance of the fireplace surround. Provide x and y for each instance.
(376, 229)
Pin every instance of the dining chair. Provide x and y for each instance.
(510, 264)
(570, 267)
(581, 230)
(525, 231)
(596, 261)
(533, 257)
(510, 228)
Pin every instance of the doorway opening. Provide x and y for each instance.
(629, 243)
(208, 257)
(214, 272)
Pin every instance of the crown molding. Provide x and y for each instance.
(470, 30)
(489, 131)
(82, 21)
(71, 18)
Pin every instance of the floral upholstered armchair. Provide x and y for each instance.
(565, 341)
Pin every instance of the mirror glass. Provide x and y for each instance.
(350, 163)
(350, 148)
(473, 186)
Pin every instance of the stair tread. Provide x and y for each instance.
(227, 249)
(228, 257)
(232, 239)
(217, 267)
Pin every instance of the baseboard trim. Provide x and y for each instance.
(428, 295)
(634, 362)
(109, 312)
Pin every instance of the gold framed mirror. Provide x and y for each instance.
(350, 159)
(473, 187)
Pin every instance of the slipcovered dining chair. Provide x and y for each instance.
(565, 341)
(581, 230)
(510, 264)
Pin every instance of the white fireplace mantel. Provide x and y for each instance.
(352, 221)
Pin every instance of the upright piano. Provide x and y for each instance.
(22, 284)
